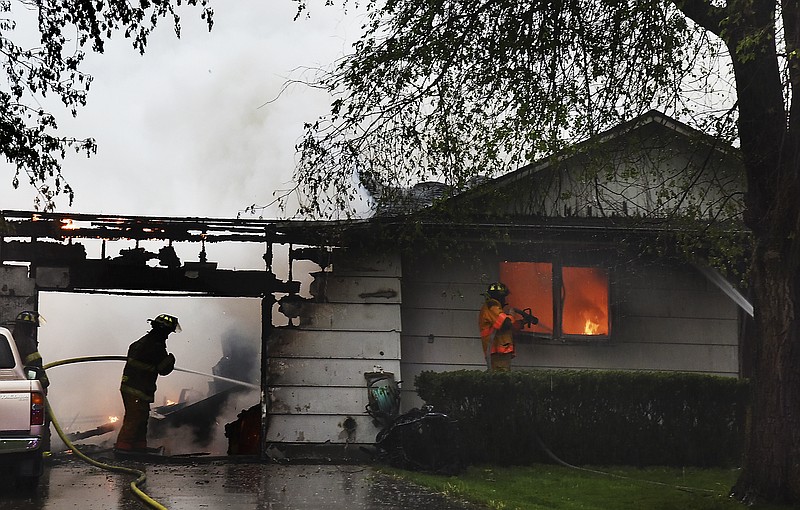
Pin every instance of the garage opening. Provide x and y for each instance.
(220, 336)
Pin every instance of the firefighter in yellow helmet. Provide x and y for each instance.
(147, 359)
(497, 327)
(25, 326)
(25, 336)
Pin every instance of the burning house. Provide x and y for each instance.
(585, 239)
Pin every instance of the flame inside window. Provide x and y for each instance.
(584, 303)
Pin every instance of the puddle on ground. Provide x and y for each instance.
(217, 484)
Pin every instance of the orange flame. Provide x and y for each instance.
(113, 419)
(591, 328)
(68, 224)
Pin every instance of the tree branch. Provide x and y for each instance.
(703, 13)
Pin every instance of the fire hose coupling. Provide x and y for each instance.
(527, 316)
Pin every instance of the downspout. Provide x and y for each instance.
(725, 286)
(744, 341)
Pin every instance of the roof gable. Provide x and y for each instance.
(652, 166)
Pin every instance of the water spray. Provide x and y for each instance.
(228, 379)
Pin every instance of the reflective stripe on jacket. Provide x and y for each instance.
(494, 336)
(147, 358)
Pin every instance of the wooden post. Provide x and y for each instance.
(267, 301)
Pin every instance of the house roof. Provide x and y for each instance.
(69, 225)
(422, 196)
(637, 134)
(652, 117)
(423, 207)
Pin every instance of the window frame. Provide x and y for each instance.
(558, 336)
(6, 353)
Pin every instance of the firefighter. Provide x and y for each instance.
(497, 327)
(147, 359)
(25, 326)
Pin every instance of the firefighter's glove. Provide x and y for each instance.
(167, 364)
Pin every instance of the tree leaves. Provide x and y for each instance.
(455, 89)
(28, 138)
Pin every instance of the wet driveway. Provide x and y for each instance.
(219, 484)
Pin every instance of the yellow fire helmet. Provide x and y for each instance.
(169, 322)
(30, 317)
(497, 290)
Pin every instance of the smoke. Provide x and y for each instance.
(85, 395)
(184, 439)
(198, 126)
(189, 129)
(220, 336)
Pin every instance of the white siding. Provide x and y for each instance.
(316, 369)
(652, 171)
(664, 317)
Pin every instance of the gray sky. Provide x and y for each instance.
(181, 130)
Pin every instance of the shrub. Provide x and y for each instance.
(593, 417)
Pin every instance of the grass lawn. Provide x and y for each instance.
(561, 488)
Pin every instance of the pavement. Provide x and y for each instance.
(223, 483)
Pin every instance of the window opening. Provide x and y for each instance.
(582, 308)
(6, 356)
(585, 301)
(531, 286)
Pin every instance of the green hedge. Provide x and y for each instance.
(592, 417)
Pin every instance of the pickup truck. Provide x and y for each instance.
(22, 416)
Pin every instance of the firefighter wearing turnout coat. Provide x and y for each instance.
(497, 327)
(25, 326)
(147, 359)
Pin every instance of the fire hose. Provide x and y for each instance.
(142, 476)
